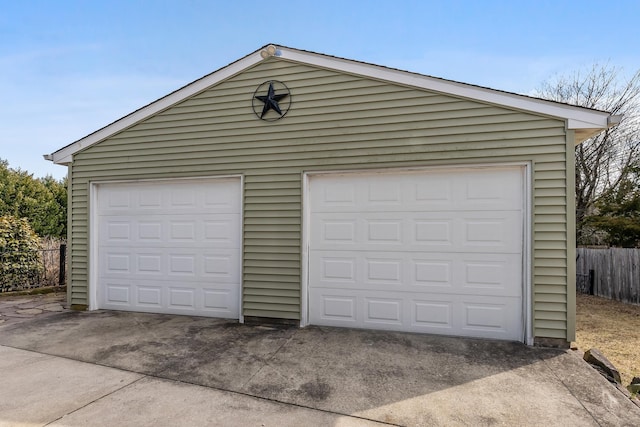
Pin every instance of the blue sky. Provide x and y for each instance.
(68, 68)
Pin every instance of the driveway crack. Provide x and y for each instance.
(96, 399)
(553, 372)
(266, 362)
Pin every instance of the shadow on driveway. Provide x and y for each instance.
(398, 378)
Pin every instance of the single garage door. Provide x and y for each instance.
(169, 247)
(438, 251)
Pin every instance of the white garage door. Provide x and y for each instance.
(169, 247)
(436, 251)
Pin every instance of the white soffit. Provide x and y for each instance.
(585, 121)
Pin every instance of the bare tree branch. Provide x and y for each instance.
(604, 161)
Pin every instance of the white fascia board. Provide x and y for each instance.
(65, 154)
(577, 117)
(580, 124)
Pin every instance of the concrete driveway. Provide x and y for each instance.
(116, 368)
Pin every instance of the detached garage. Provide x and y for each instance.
(299, 187)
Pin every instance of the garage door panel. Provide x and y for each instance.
(427, 251)
(222, 302)
(186, 196)
(419, 312)
(500, 317)
(181, 298)
(490, 273)
(159, 212)
(495, 189)
(381, 310)
(142, 263)
(117, 231)
(149, 295)
(117, 263)
(149, 263)
(197, 230)
(432, 314)
(222, 229)
(217, 300)
(114, 199)
(170, 247)
(122, 294)
(445, 190)
(221, 266)
(433, 272)
(466, 273)
(225, 198)
(336, 310)
(423, 231)
(117, 294)
(490, 231)
(149, 230)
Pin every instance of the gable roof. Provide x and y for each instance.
(586, 122)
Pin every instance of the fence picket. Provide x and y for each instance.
(616, 270)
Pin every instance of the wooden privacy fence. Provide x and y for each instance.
(612, 273)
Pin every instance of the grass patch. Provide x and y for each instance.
(612, 327)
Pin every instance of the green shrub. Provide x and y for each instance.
(20, 266)
(43, 201)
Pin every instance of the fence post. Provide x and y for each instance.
(63, 263)
(592, 281)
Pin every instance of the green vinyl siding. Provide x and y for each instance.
(337, 121)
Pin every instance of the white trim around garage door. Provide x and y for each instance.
(527, 313)
(93, 230)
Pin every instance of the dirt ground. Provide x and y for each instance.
(613, 328)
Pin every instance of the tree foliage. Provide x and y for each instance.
(19, 257)
(42, 201)
(618, 213)
(603, 162)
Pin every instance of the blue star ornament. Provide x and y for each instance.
(271, 101)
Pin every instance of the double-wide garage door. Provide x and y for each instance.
(169, 246)
(437, 251)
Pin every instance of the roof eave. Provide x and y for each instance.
(577, 117)
(584, 121)
(584, 131)
(65, 154)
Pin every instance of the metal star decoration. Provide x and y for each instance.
(271, 101)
